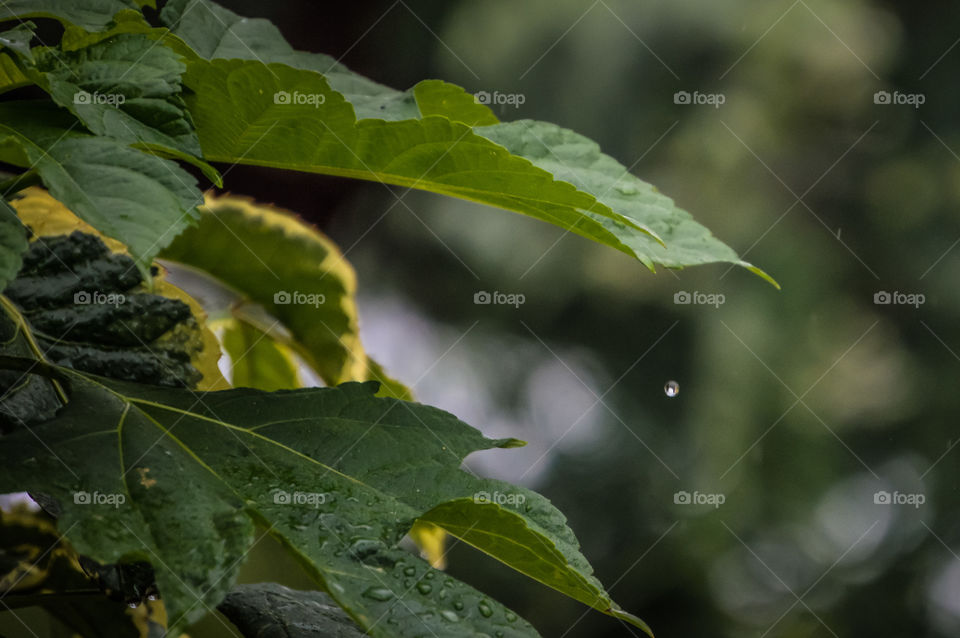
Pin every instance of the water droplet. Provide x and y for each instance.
(133, 605)
(152, 597)
(511, 617)
(424, 588)
(626, 189)
(378, 593)
(430, 575)
(671, 389)
(449, 615)
(410, 571)
(485, 609)
(499, 634)
(458, 605)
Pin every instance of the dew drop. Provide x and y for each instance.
(626, 189)
(458, 605)
(671, 389)
(511, 617)
(378, 593)
(485, 610)
(449, 615)
(410, 571)
(424, 588)
(133, 605)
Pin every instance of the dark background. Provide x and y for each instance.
(797, 406)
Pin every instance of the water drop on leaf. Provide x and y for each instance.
(671, 389)
(378, 593)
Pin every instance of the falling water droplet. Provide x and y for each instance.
(671, 389)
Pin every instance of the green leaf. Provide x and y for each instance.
(125, 87)
(290, 269)
(13, 243)
(622, 211)
(257, 361)
(239, 120)
(139, 199)
(269, 609)
(141, 472)
(90, 14)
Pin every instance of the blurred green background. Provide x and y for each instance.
(798, 407)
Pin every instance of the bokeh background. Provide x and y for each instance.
(796, 407)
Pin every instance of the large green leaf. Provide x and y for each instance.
(199, 478)
(13, 243)
(141, 200)
(215, 32)
(89, 14)
(239, 120)
(373, 465)
(293, 271)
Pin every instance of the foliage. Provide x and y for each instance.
(114, 414)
